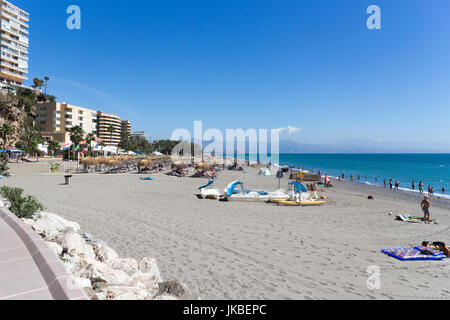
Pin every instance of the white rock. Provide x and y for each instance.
(57, 249)
(148, 265)
(75, 245)
(130, 266)
(79, 283)
(125, 293)
(98, 296)
(100, 271)
(103, 252)
(52, 225)
(144, 281)
(166, 297)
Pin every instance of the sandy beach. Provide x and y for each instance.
(226, 250)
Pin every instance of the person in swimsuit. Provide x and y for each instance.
(440, 246)
(413, 185)
(426, 205)
(390, 184)
(421, 187)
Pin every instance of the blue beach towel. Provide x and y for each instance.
(148, 179)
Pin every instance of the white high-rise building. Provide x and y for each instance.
(14, 44)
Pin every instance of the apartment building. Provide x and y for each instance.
(139, 134)
(14, 44)
(126, 127)
(109, 127)
(52, 119)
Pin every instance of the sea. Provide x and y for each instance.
(432, 169)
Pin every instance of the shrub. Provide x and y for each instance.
(23, 207)
(4, 165)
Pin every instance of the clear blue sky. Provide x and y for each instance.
(253, 64)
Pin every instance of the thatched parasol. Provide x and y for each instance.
(146, 163)
(102, 160)
(179, 165)
(114, 163)
(202, 166)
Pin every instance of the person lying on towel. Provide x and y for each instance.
(440, 246)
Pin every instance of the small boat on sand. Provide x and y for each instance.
(205, 193)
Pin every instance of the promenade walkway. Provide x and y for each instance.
(29, 269)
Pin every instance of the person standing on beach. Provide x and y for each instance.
(421, 187)
(352, 177)
(426, 205)
(359, 177)
(390, 184)
(397, 185)
(343, 176)
(413, 185)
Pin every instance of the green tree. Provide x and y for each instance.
(4, 169)
(5, 131)
(54, 147)
(111, 130)
(125, 140)
(76, 136)
(89, 139)
(29, 141)
(46, 81)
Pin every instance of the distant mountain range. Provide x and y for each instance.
(354, 146)
(360, 146)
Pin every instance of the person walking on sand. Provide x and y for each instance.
(413, 185)
(426, 205)
(390, 184)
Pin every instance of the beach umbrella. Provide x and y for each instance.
(101, 160)
(114, 163)
(179, 165)
(146, 163)
(202, 166)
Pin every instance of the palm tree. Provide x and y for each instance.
(29, 141)
(5, 131)
(46, 80)
(89, 139)
(54, 147)
(37, 83)
(111, 130)
(76, 136)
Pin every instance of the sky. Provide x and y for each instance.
(311, 66)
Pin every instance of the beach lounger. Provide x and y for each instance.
(414, 254)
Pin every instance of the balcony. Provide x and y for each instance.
(17, 75)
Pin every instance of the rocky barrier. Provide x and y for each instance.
(98, 270)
